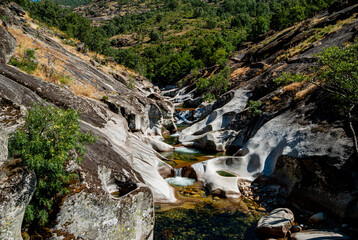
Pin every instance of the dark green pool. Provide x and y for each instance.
(204, 222)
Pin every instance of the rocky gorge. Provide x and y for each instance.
(296, 154)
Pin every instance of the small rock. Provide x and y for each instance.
(317, 218)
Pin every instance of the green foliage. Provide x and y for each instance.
(28, 63)
(49, 139)
(73, 3)
(180, 38)
(211, 23)
(215, 85)
(287, 78)
(253, 107)
(154, 35)
(131, 85)
(338, 73)
(203, 222)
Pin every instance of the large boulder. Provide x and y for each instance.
(123, 212)
(17, 185)
(7, 45)
(276, 224)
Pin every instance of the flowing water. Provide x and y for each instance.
(199, 215)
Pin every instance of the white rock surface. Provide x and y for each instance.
(209, 130)
(318, 234)
(283, 135)
(147, 163)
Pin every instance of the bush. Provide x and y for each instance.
(215, 85)
(253, 107)
(337, 73)
(49, 139)
(28, 63)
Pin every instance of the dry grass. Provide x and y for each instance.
(293, 87)
(303, 93)
(275, 98)
(52, 64)
(85, 90)
(239, 72)
(316, 36)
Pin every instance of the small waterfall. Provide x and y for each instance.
(178, 180)
(177, 172)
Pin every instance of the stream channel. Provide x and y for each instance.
(199, 214)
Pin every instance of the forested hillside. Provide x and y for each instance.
(72, 3)
(166, 40)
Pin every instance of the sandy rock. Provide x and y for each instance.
(276, 224)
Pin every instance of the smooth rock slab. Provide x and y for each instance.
(276, 224)
(318, 234)
(7, 45)
(3, 146)
(17, 185)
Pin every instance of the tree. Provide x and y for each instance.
(215, 85)
(337, 75)
(49, 139)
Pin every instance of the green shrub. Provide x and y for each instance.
(253, 107)
(337, 73)
(287, 78)
(214, 86)
(28, 63)
(49, 139)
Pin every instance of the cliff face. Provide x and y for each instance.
(120, 107)
(299, 140)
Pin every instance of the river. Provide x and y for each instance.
(199, 214)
